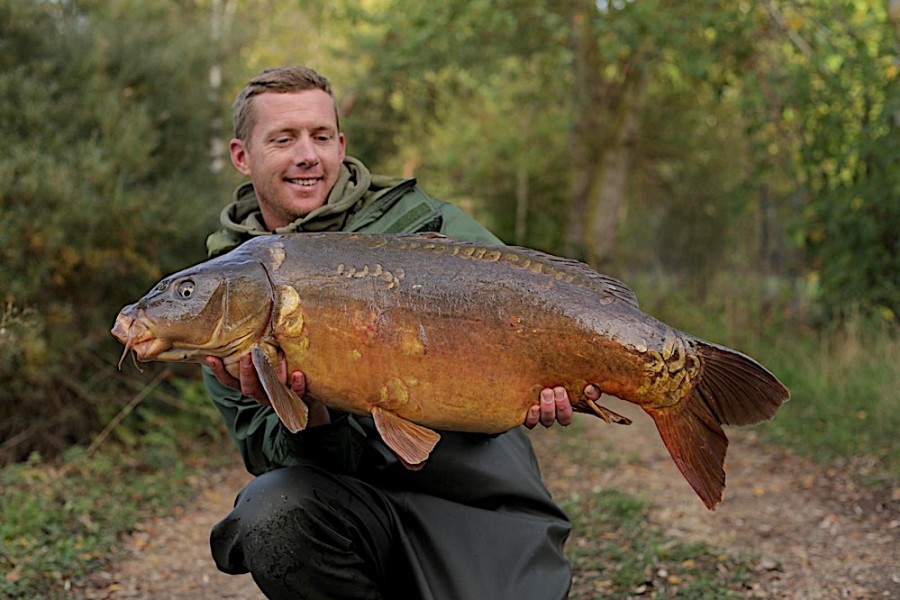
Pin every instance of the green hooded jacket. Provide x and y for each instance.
(359, 202)
(466, 475)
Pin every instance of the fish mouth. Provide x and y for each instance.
(138, 338)
(146, 345)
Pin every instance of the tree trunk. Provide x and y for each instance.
(608, 198)
(221, 18)
(587, 107)
(521, 202)
(601, 156)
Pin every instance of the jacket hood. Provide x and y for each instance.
(355, 188)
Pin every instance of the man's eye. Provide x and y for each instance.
(185, 289)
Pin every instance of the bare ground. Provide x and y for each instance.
(812, 532)
(815, 533)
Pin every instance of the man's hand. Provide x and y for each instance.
(249, 385)
(554, 405)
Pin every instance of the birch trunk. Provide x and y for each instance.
(221, 17)
(608, 197)
(587, 107)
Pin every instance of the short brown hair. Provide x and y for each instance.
(280, 80)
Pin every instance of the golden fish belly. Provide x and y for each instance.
(460, 337)
(454, 370)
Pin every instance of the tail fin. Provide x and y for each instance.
(733, 389)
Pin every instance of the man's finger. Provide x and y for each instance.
(218, 368)
(298, 383)
(533, 416)
(548, 407)
(250, 385)
(562, 406)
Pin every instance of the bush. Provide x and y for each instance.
(104, 186)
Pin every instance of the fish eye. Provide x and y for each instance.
(185, 289)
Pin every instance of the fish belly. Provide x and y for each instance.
(466, 370)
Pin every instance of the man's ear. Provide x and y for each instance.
(239, 156)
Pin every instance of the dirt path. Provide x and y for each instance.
(816, 533)
(170, 559)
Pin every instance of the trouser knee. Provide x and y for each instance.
(304, 527)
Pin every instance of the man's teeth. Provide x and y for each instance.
(307, 182)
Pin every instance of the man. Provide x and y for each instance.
(333, 513)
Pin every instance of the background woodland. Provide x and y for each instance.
(737, 163)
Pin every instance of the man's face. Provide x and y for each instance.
(294, 154)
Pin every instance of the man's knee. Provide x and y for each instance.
(277, 510)
(287, 520)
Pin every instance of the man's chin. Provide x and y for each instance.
(302, 204)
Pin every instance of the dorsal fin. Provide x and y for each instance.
(588, 276)
(582, 272)
(428, 235)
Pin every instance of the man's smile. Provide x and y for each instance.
(303, 181)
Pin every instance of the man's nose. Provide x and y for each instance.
(305, 152)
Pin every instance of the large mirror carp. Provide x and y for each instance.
(424, 332)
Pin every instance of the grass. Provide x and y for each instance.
(845, 403)
(615, 554)
(64, 520)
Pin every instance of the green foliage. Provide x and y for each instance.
(416, 58)
(484, 154)
(105, 187)
(61, 524)
(688, 206)
(758, 122)
(830, 96)
(845, 397)
(616, 553)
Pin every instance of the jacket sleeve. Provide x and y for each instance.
(265, 444)
(459, 225)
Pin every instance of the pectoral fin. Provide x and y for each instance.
(292, 411)
(412, 443)
(591, 407)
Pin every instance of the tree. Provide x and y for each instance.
(105, 186)
(838, 61)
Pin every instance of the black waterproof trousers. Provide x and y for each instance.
(481, 528)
